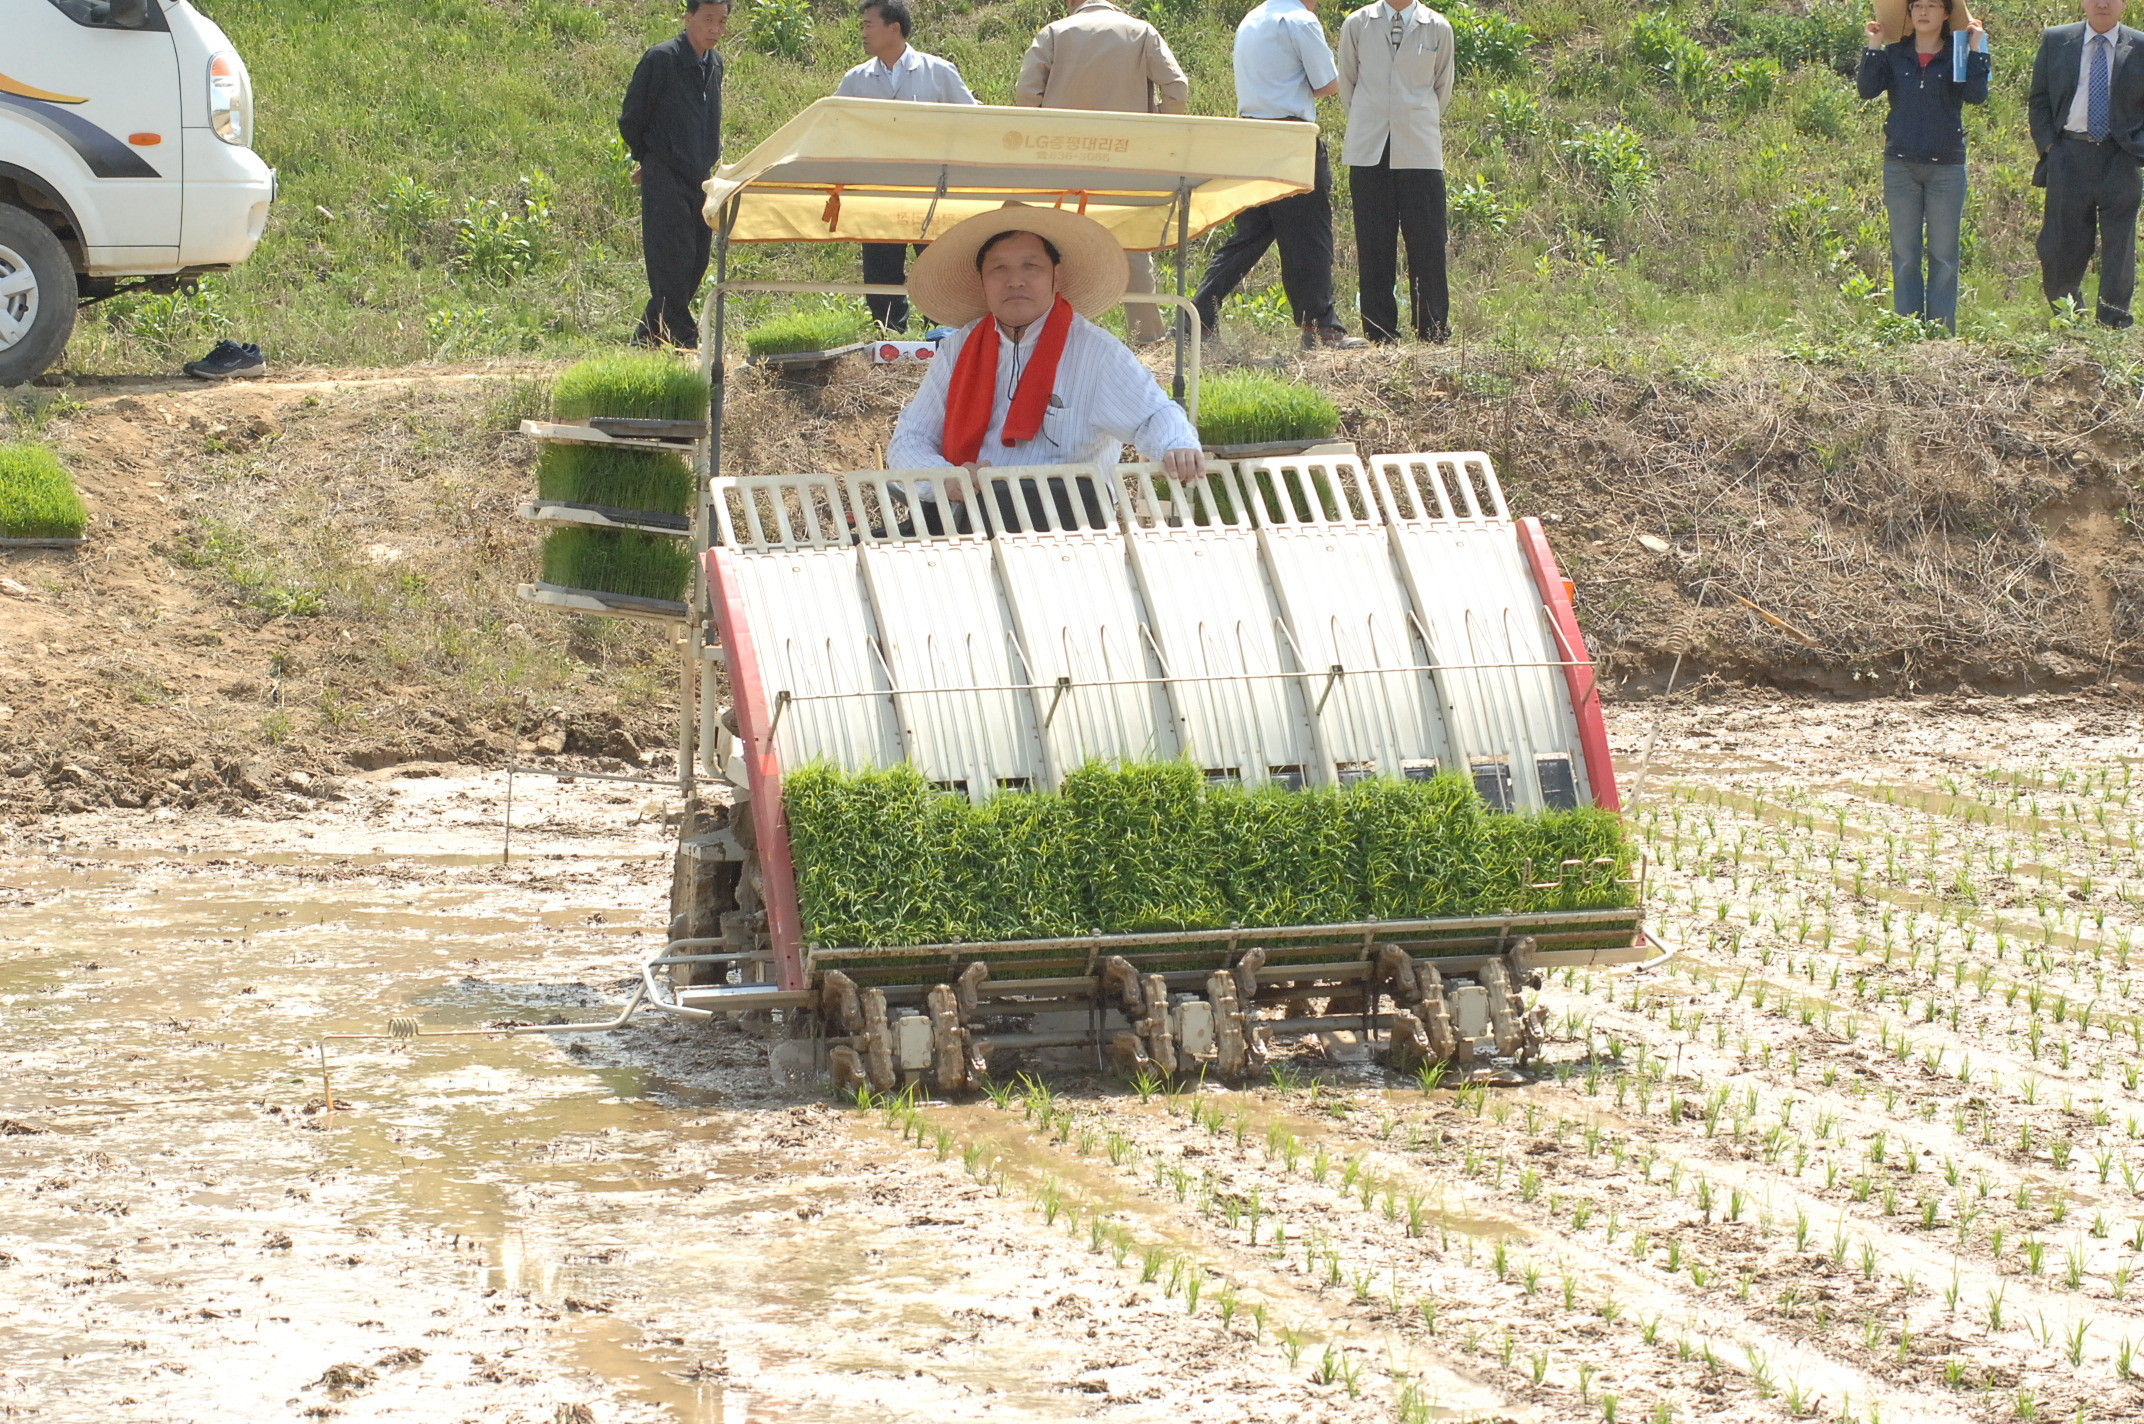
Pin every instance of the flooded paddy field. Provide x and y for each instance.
(1866, 1147)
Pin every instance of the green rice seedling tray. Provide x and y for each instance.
(803, 335)
(1253, 408)
(629, 385)
(38, 503)
(615, 477)
(617, 561)
(885, 860)
(608, 605)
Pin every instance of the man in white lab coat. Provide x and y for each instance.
(1396, 72)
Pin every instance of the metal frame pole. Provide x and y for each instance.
(1183, 258)
(700, 646)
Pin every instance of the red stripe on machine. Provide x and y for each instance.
(763, 772)
(1578, 673)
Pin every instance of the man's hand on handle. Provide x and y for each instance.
(1184, 464)
(636, 175)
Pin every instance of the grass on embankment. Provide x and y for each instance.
(884, 857)
(1701, 180)
(37, 496)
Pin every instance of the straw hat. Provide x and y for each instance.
(1091, 274)
(1891, 14)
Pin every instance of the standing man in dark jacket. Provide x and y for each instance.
(2087, 111)
(672, 125)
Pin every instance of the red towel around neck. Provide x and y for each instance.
(974, 387)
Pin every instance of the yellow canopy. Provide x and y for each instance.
(881, 170)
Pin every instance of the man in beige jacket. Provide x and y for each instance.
(1396, 71)
(1098, 57)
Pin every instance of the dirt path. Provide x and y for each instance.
(1865, 1148)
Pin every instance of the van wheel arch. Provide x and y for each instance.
(26, 190)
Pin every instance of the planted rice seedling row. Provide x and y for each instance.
(1535, 1282)
(1705, 1198)
(1308, 1243)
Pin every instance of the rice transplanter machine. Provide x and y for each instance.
(1294, 619)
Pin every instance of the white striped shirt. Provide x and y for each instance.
(1104, 399)
(916, 76)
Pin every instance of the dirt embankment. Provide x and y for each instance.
(293, 580)
(297, 579)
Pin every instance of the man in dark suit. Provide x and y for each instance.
(672, 125)
(2087, 111)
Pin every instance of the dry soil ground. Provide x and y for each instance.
(1866, 1147)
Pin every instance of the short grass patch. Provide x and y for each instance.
(617, 561)
(37, 496)
(632, 385)
(820, 330)
(1252, 408)
(884, 857)
(621, 478)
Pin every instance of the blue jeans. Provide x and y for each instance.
(1928, 196)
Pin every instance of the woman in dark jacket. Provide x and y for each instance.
(1924, 150)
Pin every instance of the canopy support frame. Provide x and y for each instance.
(1183, 260)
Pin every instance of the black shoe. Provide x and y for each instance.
(1331, 338)
(229, 361)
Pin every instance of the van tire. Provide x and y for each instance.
(26, 243)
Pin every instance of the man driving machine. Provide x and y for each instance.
(1029, 379)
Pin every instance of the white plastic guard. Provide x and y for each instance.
(1301, 621)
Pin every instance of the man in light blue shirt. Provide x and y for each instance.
(1283, 67)
(895, 70)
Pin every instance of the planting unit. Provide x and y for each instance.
(1289, 623)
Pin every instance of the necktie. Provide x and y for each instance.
(2095, 106)
(1399, 26)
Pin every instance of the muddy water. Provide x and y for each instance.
(527, 1227)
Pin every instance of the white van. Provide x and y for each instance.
(125, 161)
